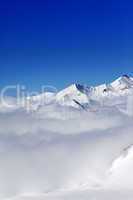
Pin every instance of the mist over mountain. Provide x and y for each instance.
(72, 144)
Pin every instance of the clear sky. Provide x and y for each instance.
(58, 42)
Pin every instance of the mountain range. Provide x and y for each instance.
(83, 96)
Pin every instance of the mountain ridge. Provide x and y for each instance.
(82, 96)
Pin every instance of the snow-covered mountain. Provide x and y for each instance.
(120, 86)
(77, 96)
(83, 96)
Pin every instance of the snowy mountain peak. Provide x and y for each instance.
(74, 89)
(74, 92)
(122, 83)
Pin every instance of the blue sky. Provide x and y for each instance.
(58, 42)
